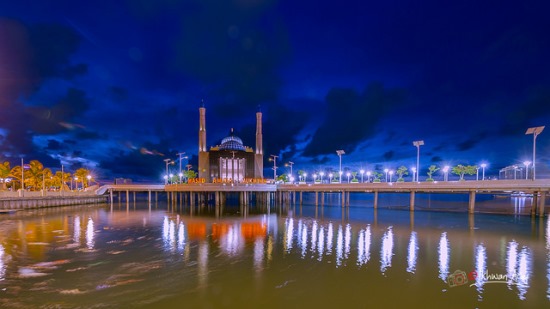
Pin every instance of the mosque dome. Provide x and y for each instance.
(232, 142)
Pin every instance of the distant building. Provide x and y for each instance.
(230, 160)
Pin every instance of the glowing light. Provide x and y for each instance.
(314, 237)
(330, 236)
(90, 234)
(444, 253)
(412, 253)
(339, 246)
(259, 253)
(203, 264)
(289, 234)
(321, 246)
(347, 241)
(363, 246)
(76, 231)
(2, 265)
(232, 242)
(511, 263)
(181, 236)
(304, 240)
(524, 272)
(481, 268)
(386, 252)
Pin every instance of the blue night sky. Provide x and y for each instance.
(115, 86)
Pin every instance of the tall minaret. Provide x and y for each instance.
(259, 154)
(204, 164)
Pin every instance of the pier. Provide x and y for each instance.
(216, 193)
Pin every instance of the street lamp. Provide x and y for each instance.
(171, 178)
(417, 144)
(89, 178)
(305, 177)
(362, 172)
(314, 178)
(348, 174)
(181, 158)
(483, 166)
(290, 163)
(413, 169)
(368, 175)
(340, 173)
(477, 172)
(330, 177)
(391, 174)
(386, 171)
(322, 174)
(340, 153)
(167, 161)
(515, 172)
(180, 174)
(446, 173)
(526, 163)
(535, 131)
(274, 159)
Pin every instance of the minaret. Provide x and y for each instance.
(259, 154)
(204, 164)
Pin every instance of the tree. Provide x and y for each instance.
(402, 170)
(34, 175)
(461, 170)
(283, 178)
(301, 175)
(4, 173)
(376, 176)
(16, 173)
(354, 179)
(431, 170)
(57, 180)
(81, 175)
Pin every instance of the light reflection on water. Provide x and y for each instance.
(167, 253)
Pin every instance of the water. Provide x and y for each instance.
(289, 256)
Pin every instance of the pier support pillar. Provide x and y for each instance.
(343, 198)
(111, 195)
(301, 197)
(375, 199)
(472, 202)
(316, 198)
(411, 201)
(542, 202)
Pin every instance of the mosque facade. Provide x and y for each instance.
(231, 160)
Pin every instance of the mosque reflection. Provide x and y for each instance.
(390, 250)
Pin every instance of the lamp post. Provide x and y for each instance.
(362, 172)
(181, 158)
(386, 171)
(446, 173)
(330, 177)
(413, 169)
(76, 183)
(526, 163)
(89, 178)
(483, 166)
(391, 174)
(348, 174)
(274, 159)
(322, 174)
(290, 163)
(535, 131)
(167, 161)
(368, 175)
(340, 153)
(305, 177)
(340, 173)
(180, 174)
(417, 144)
(477, 172)
(314, 178)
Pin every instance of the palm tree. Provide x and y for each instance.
(34, 175)
(16, 174)
(4, 173)
(82, 175)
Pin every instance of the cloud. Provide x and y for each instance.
(352, 117)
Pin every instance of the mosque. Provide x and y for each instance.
(230, 160)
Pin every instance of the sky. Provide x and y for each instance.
(115, 86)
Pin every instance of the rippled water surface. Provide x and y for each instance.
(260, 257)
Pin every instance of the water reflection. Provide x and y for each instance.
(181, 236)
(289, 234)
(321, 245)
(412, 253)
(330, 235)
(232, 242)
(304, 241)
(314, 237)
(386, 252)
(90, 234)
(259, 252)
(76, 230)
(519, 204)
(524, 272)
(347, 242)
(363, 246)
(2, 264)
(480, 268)
(444, 253)
(339, 246)
(511, 263)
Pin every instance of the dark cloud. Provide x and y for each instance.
(352, 117)
(471, 142)
(54, 145)
(436, 159)
(83, 135)
(254, 45)
(388, 155)
(118, 94)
